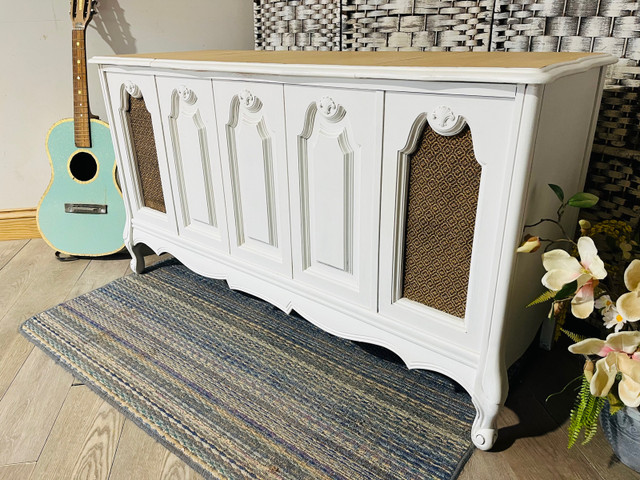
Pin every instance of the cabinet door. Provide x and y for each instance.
(138, 132)
(191, 139)
(334, 145)
(446, 170)
(251, 132)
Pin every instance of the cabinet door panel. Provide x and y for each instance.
(331, 204)
(253, 168)
(334, 150)
(138, 132)
(446, 170)
(251, 131)
(191, 138)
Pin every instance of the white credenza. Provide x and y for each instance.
(379, 194)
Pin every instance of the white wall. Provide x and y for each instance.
(35, 71)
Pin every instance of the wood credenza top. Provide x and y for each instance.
(499, 67)
(371, 59)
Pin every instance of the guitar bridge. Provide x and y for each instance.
(90, 208)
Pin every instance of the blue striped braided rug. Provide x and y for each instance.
(239, 389)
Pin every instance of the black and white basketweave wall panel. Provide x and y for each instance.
(297, 24)
(432, 25)
(610, 26)
(458, 25)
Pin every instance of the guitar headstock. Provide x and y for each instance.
(81, 11)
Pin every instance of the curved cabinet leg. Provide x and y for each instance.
(484, 432)
(137, 259)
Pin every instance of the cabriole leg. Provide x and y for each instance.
(137, 258)
(484, 432)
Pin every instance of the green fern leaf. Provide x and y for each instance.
(584, 416)
(591, 421)
(573, 336)
(574, 418)
(545, 297)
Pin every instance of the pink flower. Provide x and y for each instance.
(562, 269)
(619, 355)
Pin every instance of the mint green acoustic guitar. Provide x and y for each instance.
(82, 212)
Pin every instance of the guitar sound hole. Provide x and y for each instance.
(83, 166)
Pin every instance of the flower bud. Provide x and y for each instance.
(530, 244)
(585, 227)
(588, 369)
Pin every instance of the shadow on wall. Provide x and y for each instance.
(112, 26)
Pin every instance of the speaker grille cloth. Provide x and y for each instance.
(444, 180)
(146, 157)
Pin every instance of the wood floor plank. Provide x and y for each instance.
(175, 469)
(487, 465)
(17, 471)
(96, 457)
(600, 456)
(153, 259)
(20, 272)
(139, 456)
(29, 408)
(98, 273)
(532, 445)
(15, 351)
(8, 249)
(83, 439)
(44, 282)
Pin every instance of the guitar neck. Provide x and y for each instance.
(81, 113)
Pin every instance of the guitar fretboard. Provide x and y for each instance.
(81, 114)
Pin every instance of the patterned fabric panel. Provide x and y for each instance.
(297, 24)
(144, 146)
(444, 181)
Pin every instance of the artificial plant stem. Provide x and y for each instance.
(560, 211)
(559, 240)
(552, 221)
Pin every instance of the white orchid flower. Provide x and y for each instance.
(562, 269)
(604, 303)
(626, 342)
(629, 303)
(613, 318)
(619, 355)
(629, 386)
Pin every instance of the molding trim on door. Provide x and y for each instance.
(18, 224)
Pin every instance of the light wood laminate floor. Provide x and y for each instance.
(53, 427)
